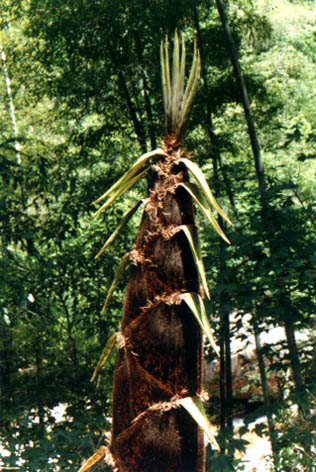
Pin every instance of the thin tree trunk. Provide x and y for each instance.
(138, 125)
(266, 396)
(245, 101)
(139, 129)
(11, 105)
(6, 356)
(148, 108)
(222, 382)
(229, 377)
(294, 357)
(149, 114)
(216, 156)
(266, 210)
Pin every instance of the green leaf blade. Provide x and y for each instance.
(121, 190)
(194, 242)
(203, 205)
(196, 305)
(201, 182)
(105, 355)
(194, 407)
(123, 222)
(135, 169)
(118, 275)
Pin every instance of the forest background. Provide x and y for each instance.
(80, 100)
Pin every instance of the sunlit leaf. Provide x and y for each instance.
(201, 181)
(105, 355)
(192, 236)
(94, 459)
(123, 222)
(118, 275)
(196, 305)
(135, 169)
(194, 407)
(203, 205)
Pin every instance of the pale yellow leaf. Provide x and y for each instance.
(195, 408)
(94, 459)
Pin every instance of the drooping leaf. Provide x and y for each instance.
(203, 185)
(194, 407)
(196, 305)
(193, 239)
(94, 459)
(123, 222)
(135, 169)
(118, 275)
(126, 185)
(105, 355)
(203, 205)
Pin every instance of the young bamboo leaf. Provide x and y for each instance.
(168, 80)
(105, 355)
(193, 239)
(203, 205)
(182, 70)
(123, 222)
(191, 87)
(193, 74)
(94, 459)
(177, 100)
(195, 408)
(121, 190)
(200, 179)
(175, 80)
(196, 305)
(165, 93)
(118, 275)
(136, 167)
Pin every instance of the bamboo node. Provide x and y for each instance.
(162, 406)
(121, 340)
(138, 257)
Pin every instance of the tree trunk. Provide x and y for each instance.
(245, 101)
(160, 356)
